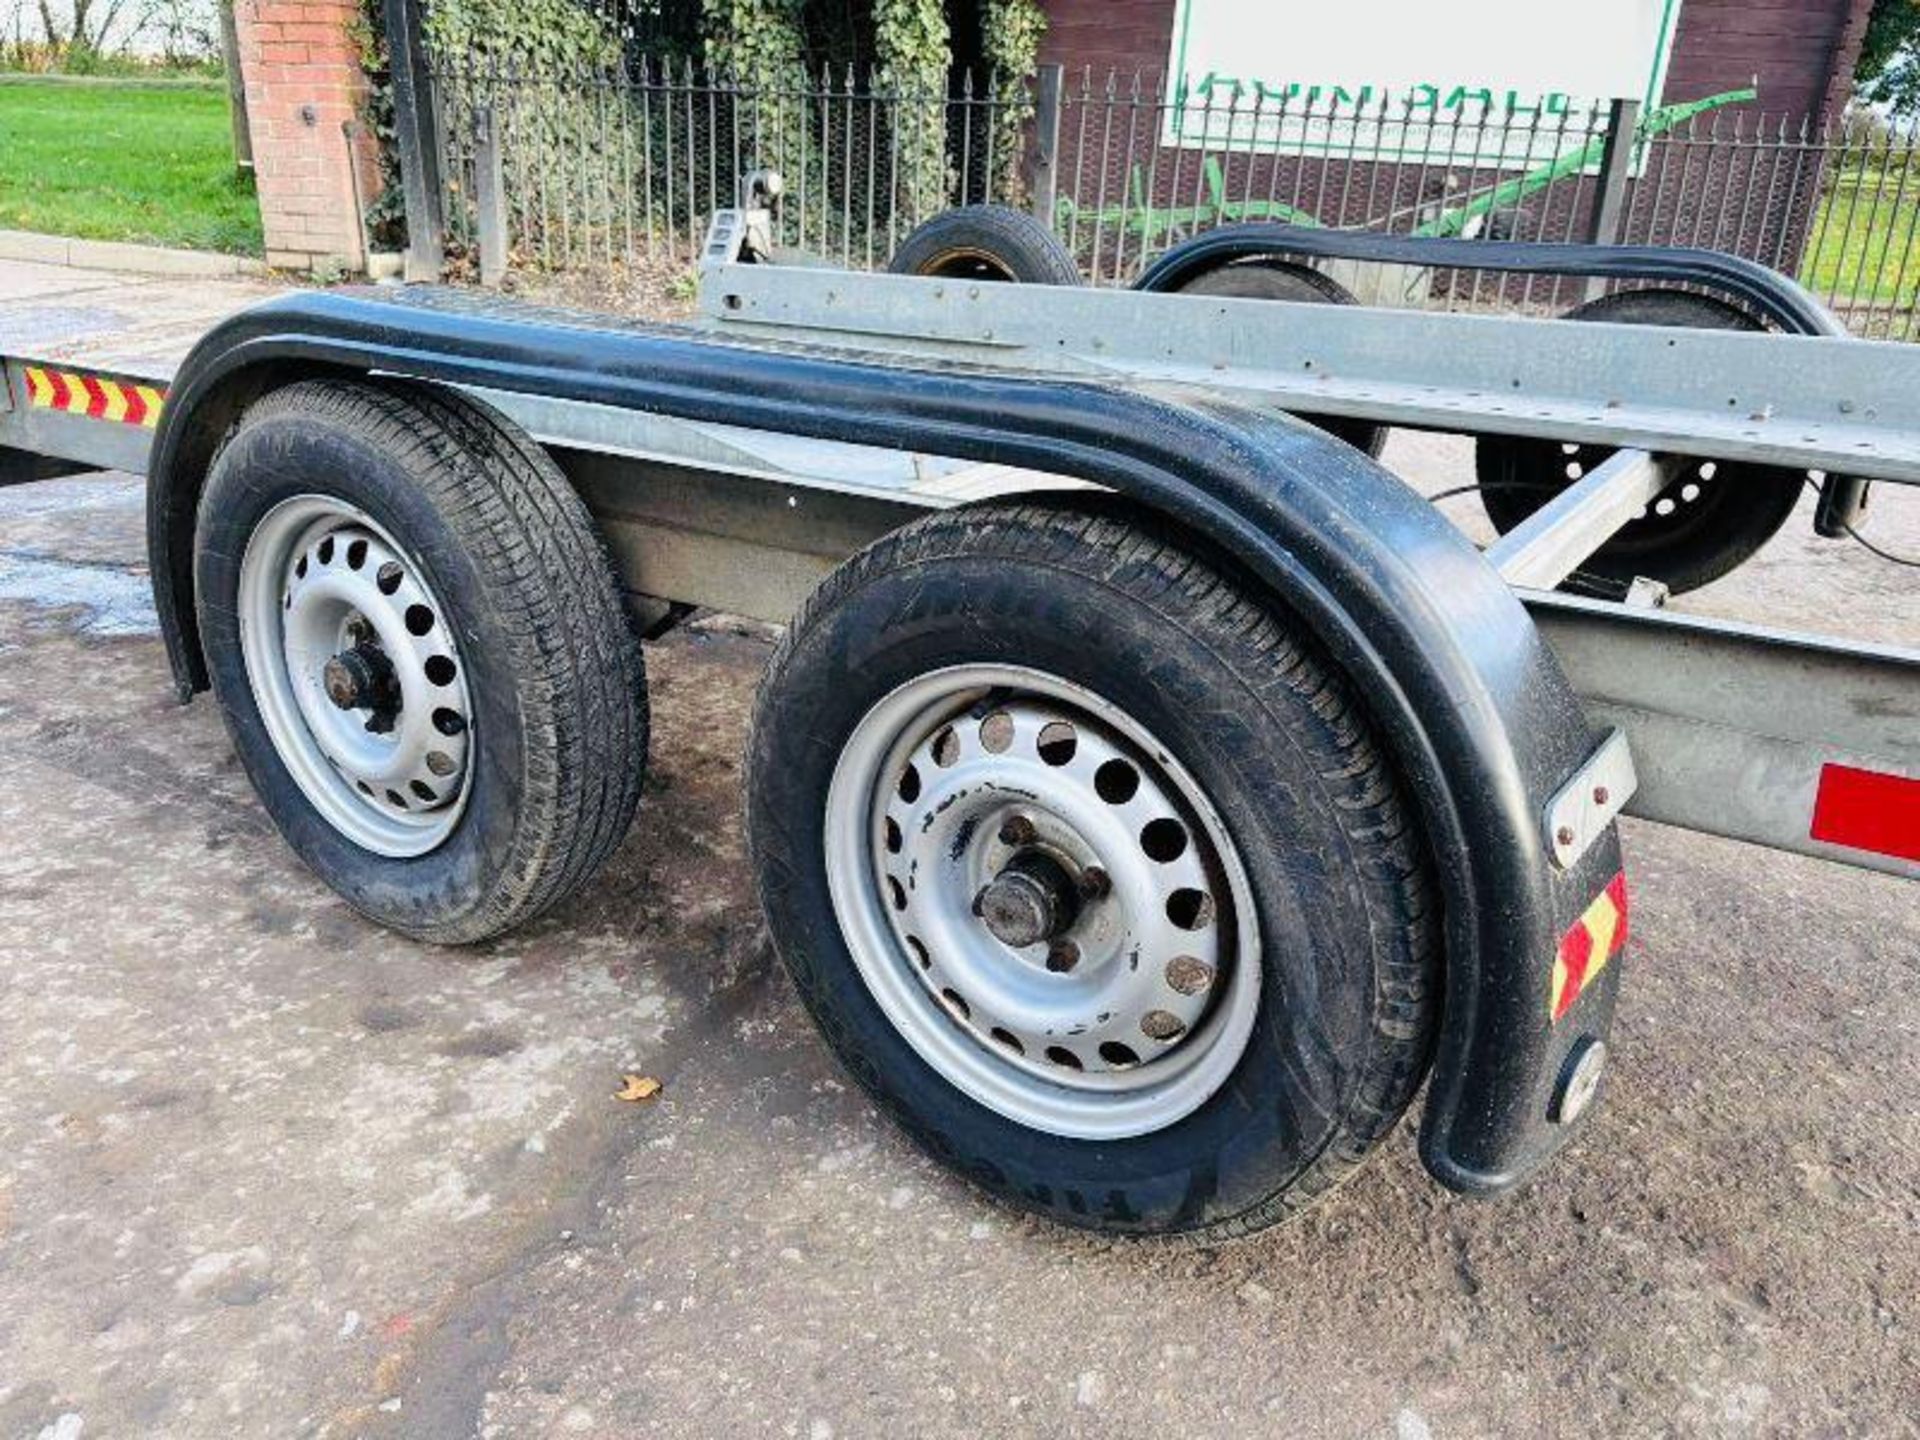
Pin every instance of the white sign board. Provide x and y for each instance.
(1246, 71)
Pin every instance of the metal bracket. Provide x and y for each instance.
(726, 235)
(1586, 805)
(739, 236)
(1645, 594)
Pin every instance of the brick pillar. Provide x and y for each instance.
(1846, 54)
(304, 84)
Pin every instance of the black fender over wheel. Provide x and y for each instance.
(986, 242)
(1093, 615)
(1714, 516)
(1412, 617)
(420, 650)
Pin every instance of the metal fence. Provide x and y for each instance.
(621, 165)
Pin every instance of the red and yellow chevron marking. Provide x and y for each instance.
(1594, 939)
(94, 396)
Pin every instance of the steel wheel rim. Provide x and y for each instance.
(322, 582)
(1174, 981)
(968, 262)
(1695, 501)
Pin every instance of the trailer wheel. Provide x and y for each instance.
(1263, 278)
(420, 651)
(1708, 522)
(986, 242)
(1088, 868)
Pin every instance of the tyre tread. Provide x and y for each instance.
(553, 591)
(1244, 627)
(1030, 251)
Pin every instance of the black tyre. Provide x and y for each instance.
(1107, 718)
(1514, 222)
(1714, 516)
(421, 654)
(1268, 279)
(986, 242)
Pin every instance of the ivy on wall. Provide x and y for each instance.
(552, 36)
(541, 66)
(761, 46)
(758, 42)
(572, 149)
(385, 217)
(1010, 39)
(913, 50)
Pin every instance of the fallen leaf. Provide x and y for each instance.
(638, 1087)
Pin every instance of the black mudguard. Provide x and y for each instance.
(1782, 303)
(1779, 302)
(1480, 718)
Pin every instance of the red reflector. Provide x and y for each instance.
(1592, 940)
(1866, 810)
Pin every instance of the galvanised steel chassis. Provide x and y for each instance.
(735, 462)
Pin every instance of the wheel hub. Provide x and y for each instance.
(1058, 919)
(357, 675)
(1063, 968)
(363, 678)
(1032, 899)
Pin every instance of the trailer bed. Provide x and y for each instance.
(307, 452)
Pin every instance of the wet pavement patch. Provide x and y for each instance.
(486, 1043)
(109, 600)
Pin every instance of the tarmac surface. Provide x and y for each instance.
(266, 1169)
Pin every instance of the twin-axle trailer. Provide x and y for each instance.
(1150, 791)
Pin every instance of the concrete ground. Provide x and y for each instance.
(268, 1170)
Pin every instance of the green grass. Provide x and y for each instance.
(122, 160)
(1863, 245)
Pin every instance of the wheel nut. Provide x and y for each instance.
(1062, 956)
(1018, 830)
(340, 683)
(353, 679)
(1094, 883)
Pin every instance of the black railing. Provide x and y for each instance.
(621, 163)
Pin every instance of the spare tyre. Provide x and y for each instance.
(986, 242)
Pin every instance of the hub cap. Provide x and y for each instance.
(1043, 901)
(356, 674)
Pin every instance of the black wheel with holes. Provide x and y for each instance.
(421, 653)
(1264, 278)
(1714, 516)
(1153, 958)
(986, 242)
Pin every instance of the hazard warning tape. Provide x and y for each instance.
(94, 396)
(1595, 938)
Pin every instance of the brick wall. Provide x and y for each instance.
(304, 85)
(1802, 51)
(1108, 34)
